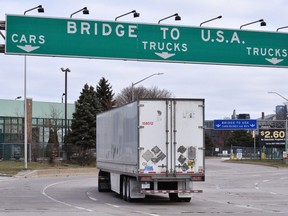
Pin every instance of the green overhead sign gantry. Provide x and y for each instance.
(42, 36)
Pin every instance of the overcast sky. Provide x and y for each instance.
(224, 88)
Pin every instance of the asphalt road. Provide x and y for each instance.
(230, 189)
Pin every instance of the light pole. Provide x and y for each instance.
(40, 10)
(177, 18)
(65, 136)
(85, 11)
(282, 28)
(278, 95)
(135, 14)
(286, 126)
(133, 84)
(262, 23)
(62, 97)
(219, 17)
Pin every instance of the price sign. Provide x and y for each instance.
(272, 136)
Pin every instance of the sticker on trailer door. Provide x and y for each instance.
(182, 159)
(148, 168)
(155, 155)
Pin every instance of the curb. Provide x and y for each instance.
(56, 172)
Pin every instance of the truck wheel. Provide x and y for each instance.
(124, 190)
(103, 182)
(128, 190)
(187, 199)
(99, 187)
(174, 197)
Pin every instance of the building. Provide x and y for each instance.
(42, 119)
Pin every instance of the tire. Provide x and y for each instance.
(174, 197)
(104, 182)
(128, 190)
(100, 189)
(187, 199)
(124, 188)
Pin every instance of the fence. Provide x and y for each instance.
(15, 151)
(269, 152)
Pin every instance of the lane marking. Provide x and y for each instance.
(89, 195)
(115, 206)
(145, 213)
(61, 202)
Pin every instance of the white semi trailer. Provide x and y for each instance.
(152, 147)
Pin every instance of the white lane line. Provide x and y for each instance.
(89, 195)
(145, 213)
(265, 181)
(61, 202)
(283, 178)
(115, 206)
(273, 193)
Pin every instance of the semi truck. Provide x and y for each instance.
(151, 146)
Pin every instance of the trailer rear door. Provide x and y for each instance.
(171, 136)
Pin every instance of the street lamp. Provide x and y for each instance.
(62, 97)
(2, 27)
(219, 17)
(65, 136)
(281, 28)
(278, 95)
(135, 14)
(40, 10)
(85, 11)
(133, 84)
(39, 7)
(262, 23)
(177, 18)
(286, 130)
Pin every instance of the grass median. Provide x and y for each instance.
(13, 167)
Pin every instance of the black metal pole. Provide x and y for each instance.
(65, 149)
(65, 137)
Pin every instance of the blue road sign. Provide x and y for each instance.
(235, 124)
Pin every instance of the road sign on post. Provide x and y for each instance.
(27, 35)
(235, 124)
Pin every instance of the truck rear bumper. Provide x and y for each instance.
(170, 191)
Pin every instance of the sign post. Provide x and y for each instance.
(30, 35)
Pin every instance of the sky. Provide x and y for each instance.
(224, 88)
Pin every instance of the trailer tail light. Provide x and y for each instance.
(146, 178)
(197, 178)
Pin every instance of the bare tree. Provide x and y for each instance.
(139, 93)
(51, 127)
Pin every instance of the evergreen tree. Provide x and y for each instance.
(83, 127)
(105, 94)
(240, 138)
(209, 146)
